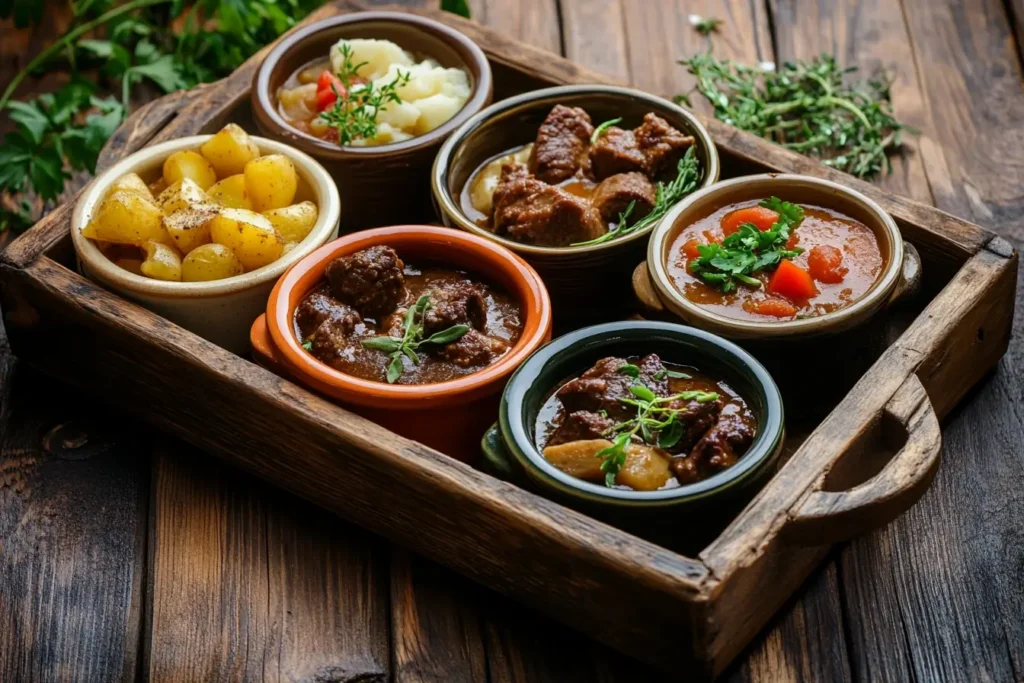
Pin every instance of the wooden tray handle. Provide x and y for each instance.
(825, 517)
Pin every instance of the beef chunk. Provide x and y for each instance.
(616, 151)
(370, 280)
(697, 418)
(654, 149)
(455, 303)
(718, 448)
(530, 211)
(473, 349)
(320, 306)
(581, 425)
(615, 193)
(560, 150)
(333, 335)
(662, 145)
(602, 386)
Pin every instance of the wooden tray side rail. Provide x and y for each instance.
(638, 597)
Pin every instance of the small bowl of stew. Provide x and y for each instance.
(415, 327)
(776, 256)
(573, 179)
(632, 420)
(371, 96)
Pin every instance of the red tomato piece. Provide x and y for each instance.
(777, 308)
(327, 79)
(792, 281)
(690, 249)
(325, 99)
(712, 237)
(793, 241)
(826, 264)
(761, 217)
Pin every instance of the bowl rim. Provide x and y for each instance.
(308, 272)
(449, 207)
(515, 433)
(90, 256)
(876, 297)
(267, 115)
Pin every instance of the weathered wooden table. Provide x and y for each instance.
(125, 554)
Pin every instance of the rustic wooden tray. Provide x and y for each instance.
(858, 468)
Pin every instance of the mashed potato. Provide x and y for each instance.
(432, 95)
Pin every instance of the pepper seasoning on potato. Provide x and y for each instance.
(212, 213)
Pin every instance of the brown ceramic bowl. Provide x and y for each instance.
(574, 275)
(386, 184)
(450, 416)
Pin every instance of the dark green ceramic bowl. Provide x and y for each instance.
(510, 451)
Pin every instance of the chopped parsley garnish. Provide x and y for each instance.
(748, 250)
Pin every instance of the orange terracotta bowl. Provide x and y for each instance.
(449, 416)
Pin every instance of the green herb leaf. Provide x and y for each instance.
(706, 26)
(642, 392)
(308, 345)
(675, 374)
(394, 368)
(385, 344)
(601, 128)
(460, 7)
(453, 333)
(629, 369)
(670, 435)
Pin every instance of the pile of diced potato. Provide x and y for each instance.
(217, 212)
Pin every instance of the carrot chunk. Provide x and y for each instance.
(777, 308)
(761, 217)
(690, 249)
(826, 264)
(792, 281)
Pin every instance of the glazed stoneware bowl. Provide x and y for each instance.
(219, 310)
(573, 274)
(387, 184)
(815, 360)
(511, 452)
(449, 416)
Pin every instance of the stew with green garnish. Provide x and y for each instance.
(642, 424)
(378, 318)
(578, 184)
(775, 260)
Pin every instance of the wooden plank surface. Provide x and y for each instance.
(896, 605)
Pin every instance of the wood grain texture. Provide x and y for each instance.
(72, 534)
(237, 593)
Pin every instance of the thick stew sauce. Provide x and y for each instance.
(378, 318)
(641, 424)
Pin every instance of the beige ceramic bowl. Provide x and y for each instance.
(220, 310)
(900, 273)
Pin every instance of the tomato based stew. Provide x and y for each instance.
(642, 424)
(772, 260)
(578, 184)
(377, 318)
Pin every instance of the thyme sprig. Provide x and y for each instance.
(665, 197)
(412, 338)
(808, 107)
(354, 113)
(655, 423)
(748, 250)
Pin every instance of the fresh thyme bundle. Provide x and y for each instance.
(808, 107)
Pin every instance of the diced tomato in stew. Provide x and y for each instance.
(327, 79)
(762, 218)
(792, 281)
(825, 263)
(712, 237)
(325, 99)
(690, 249)
(777, 308)
(793, 241)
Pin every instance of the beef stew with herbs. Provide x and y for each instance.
(577, 184)
(378, 318)
(644, 425)
(775, 260)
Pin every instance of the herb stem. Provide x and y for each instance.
(70, 37)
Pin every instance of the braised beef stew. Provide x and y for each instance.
(644, 425)
(378, 318)
(576, 184)
(773, 260)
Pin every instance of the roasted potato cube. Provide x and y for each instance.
(162, 262)
(293, 222)
(182, 194)
(126, 218)
(189, 164)
(190, 228)
(229, 150)
(210, 262)
(645, 469)
(271, 182)
(131, 182)
(231, 192)
(251, 236)
(578, 458)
